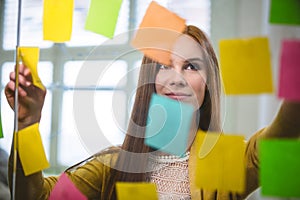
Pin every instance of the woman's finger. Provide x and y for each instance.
(10, 88)
(22, 67)
(25, 71)
(22, 80)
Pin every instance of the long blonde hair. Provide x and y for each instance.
(134, 140)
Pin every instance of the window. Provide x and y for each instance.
(61, 66)
(31, 24)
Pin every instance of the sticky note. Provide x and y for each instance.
(223, 168)
(31, 150)
(102, 16)
(57, 20)
(136, 191)
(65, 189)
(289, 82)
(246, 66)
(30, 57)
(279, 167)
(209, 142)
(285, 12)
(168, 125)
(157, 33)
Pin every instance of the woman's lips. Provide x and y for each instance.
(177, 96)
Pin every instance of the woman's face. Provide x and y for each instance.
(185, 79)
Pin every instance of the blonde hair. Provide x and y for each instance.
(134, 140)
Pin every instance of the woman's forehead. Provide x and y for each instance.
(186, 48)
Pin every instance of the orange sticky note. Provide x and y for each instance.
(223, 167)
(246, 66)
(30, 57)
(157, 33)
(136, 191)
(31, 150)
(57, 20)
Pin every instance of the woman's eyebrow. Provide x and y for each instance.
(189, 60)
(194, 59)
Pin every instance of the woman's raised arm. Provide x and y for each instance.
(30, 99)
(286, 123)
(30, 104)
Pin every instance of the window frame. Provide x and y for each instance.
(59, 54)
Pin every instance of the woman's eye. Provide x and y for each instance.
(161, 66)
(191, 67)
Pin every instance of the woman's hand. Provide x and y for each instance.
(286, 123)
(30, 99)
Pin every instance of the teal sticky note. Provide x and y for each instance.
(285, 12)
(102, 16)
(168, 125)
(280, 167)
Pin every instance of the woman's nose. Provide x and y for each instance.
(176, 78)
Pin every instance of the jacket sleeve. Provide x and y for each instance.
(286, 124)
(87, 177)
(252, 164)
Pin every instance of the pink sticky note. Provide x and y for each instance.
(289, 81)
(65, 189)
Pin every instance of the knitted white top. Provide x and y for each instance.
(170, 174)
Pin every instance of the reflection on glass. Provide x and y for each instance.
(95, 74)
(71, 146)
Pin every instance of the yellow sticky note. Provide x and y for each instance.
(136, 191)
(223, 167)
(57, 20)
(157, 33)
(31, 150)
(30, 57)
(246, 66)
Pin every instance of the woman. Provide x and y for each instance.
(192, 77)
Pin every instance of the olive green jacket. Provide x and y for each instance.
(90, 177)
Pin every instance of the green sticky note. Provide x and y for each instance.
(102, 16)
(280, 167)
(1, 130)
(168, 125)
(285, 12)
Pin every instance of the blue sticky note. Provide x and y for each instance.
(168, 125)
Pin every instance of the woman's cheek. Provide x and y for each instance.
(158, 85)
